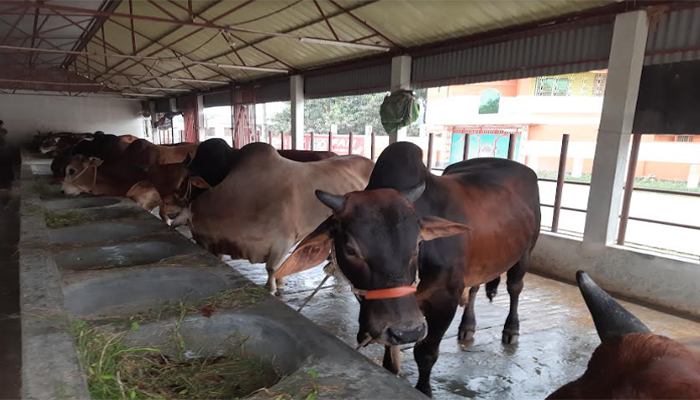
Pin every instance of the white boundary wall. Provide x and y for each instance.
(24, 115)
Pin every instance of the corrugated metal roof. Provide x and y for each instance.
(674, 37)
(400, 23)
(163, 29)
(572, 50)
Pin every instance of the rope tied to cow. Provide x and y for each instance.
(94, 176)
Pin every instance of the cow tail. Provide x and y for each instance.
(492, 288)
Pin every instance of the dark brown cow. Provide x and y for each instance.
(631, 362)
(149, 186)
(444, 234)
(104, 146)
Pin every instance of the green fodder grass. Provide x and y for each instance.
(116, 371)
(62, 219)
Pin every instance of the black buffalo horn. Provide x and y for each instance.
(332, 201)
(414, 192)
(609, 317)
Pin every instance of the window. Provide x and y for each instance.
(489, 102)
(550, 86)
(684, 138)
(599, 84)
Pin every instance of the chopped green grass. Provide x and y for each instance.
(116, 371)
(62, 219)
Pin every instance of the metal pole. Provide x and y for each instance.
(561, 174)
(311, 145)
(372, 145)
(430, 150)
(511, 146)
(269, 138)
(466, 147)
(350, 143)
(330, 140)
(172, 131)
(629, 188)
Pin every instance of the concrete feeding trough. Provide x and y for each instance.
(122, 271)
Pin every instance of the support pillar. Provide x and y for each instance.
(199, 128)
(400, 80)
(613, 143)
(297, 96)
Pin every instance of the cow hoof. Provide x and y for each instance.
(465, 336)
(510, 337)
(426, 389)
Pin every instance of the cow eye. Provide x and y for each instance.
(350, 251)
(71, 171)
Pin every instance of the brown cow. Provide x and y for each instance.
(631, 362)
(149, 186)
(143, 152)
(445, 234)
(266, 204)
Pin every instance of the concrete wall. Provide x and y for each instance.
(24, 115)
(664, 281)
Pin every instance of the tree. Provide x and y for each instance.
(349, 113)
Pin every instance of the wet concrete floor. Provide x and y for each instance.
(557, 336)
(10, 330)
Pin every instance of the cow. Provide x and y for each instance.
(60, 142)
(214, 160)
(266, 204)
(104, 146)
(411, 244)
(149, 186)
(143, 152)
(631, 362)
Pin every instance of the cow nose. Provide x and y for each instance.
(407, 335)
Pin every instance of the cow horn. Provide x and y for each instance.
(414, 192)
(609, 317)
(332, 201)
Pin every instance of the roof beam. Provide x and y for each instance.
(328, 23)
(296, 28)
(365, 24)
(94, 27)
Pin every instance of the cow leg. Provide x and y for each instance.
(511, 330)
(274, 260)
(468, 325)
(439, 313)
(164, 214)
(392, 359)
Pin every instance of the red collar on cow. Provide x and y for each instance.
(378, 294)
(390, 293)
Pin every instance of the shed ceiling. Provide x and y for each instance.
(170, 39)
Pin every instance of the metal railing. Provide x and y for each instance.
(627, 194)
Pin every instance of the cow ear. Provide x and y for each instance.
(198, 181)
(436, 227)
(312, 251)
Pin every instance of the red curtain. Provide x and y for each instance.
(188, 106)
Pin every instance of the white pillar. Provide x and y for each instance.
(297, 94)
(200, 117)
(400, 79)
(612, 147)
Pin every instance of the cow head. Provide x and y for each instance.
(376, 235)
(49, 144)
(81, 175)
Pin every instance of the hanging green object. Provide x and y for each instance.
(399, 109)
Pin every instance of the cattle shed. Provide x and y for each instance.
(158, 69)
